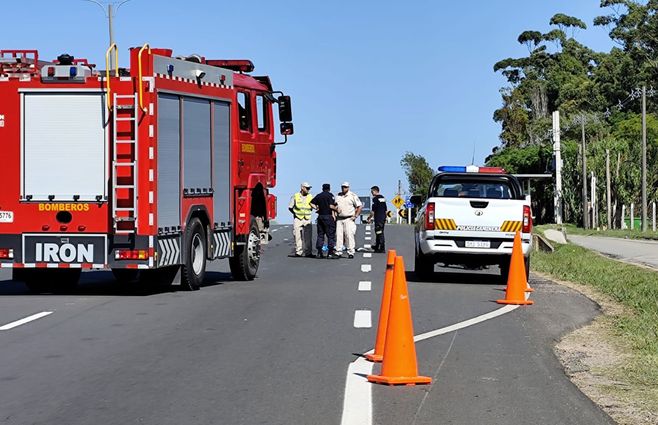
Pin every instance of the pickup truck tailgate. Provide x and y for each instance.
(478, 217)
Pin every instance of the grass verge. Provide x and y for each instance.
(633, 328)
(572, 229)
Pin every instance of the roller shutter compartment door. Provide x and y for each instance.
(168, 161)
(64, 146)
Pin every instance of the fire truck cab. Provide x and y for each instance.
(151, 170)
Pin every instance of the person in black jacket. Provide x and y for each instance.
(378, 212)
(325, 205)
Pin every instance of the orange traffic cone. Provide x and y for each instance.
(399, 365)
(378, 355)
(516, 280)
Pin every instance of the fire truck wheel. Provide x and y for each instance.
(245, 261)
(52, 281)
(194, 263)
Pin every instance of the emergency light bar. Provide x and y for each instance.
(471, 169)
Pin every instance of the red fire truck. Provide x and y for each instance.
(152, 170)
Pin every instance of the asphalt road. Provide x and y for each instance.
(643, 252)
(276, 350)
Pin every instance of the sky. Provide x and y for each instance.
(369, 80)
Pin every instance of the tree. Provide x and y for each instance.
(419, 173)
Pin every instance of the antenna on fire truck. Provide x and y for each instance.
(109, 14)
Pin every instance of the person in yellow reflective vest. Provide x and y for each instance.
(302, 230)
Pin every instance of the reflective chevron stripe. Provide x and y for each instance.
(222, 244)
(445, 224)
(168, 251)
(511, 226)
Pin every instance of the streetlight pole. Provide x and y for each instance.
(110, 16)
(557, 197)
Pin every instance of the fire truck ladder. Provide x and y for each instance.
(124, 163)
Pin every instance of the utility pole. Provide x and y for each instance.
(594, 222)
(557, 197)
(607, 189)
(644, 158)
(584, 175)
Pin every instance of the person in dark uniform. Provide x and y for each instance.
(325, 205)
(378, 211)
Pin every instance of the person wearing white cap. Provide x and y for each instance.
(348, 207)
(302, 230)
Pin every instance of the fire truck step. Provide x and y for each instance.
(118, 219)
(124, 209)
(124, 141)
(125, 106)
(124, 186)
(123, 164)
(125, 119)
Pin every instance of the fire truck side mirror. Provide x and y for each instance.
(285, 109)
(287, 129)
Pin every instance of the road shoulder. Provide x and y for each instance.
(594, 357)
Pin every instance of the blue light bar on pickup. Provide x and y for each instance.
(470, 169)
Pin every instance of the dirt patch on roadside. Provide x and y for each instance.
(595, 358)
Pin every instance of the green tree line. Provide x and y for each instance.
(559, 73)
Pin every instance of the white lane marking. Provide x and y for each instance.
(365, 268)
(368, 238)
(367, 246)
(367, 255)
(25, 320)
(357, 401)
(466, 323)
(368, 227)
(365, 285)
(274, 230)
(368, 233)
(362, 319)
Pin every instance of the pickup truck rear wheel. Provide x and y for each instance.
(423, 266)
(504, 269)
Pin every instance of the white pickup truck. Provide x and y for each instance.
(470, 218)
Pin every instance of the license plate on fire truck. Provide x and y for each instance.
(69, 249)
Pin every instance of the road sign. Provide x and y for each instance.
(397, 201)
(408, 204)
(402, 213)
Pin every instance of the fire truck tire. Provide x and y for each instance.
(246, 259)
(61, 281)
(193, 270)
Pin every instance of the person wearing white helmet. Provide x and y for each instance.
(302, 230)
(348, 208)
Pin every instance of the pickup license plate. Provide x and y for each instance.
(478, 244)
